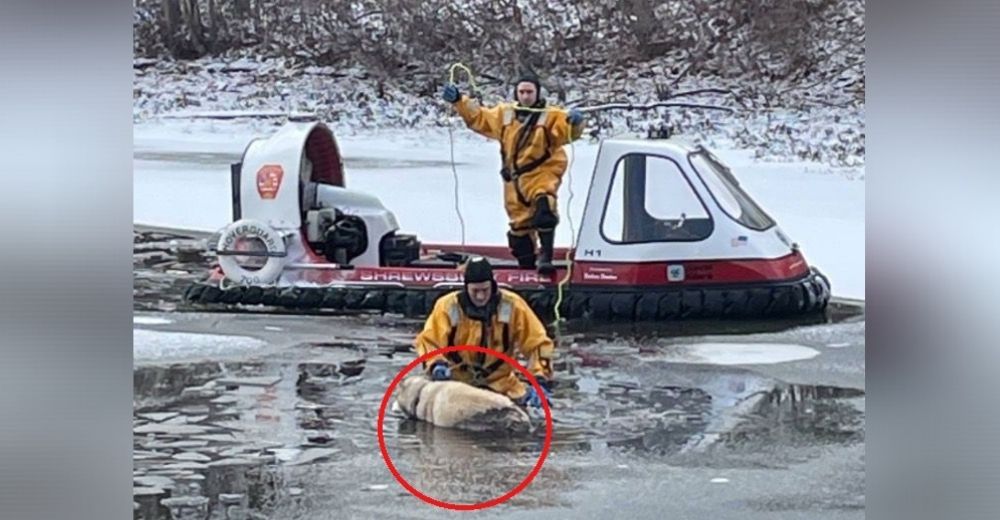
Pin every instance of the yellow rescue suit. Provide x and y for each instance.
(533, 158)
(513, 329)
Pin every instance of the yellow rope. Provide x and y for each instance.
(473, 88)
(454, 175)
(468, 74)
(572, 240)
(560, 288)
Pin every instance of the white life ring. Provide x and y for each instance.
(250, 228)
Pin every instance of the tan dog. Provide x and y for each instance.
(451, 404)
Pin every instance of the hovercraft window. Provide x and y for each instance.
(726, 191)
(652, 200)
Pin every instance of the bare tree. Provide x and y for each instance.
(773, 47)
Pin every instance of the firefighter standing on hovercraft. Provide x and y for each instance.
(533, 163)
(483, 314)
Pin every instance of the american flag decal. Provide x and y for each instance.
(739, 241)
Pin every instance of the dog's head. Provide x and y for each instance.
(408, 394)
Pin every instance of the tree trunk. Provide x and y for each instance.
(213, 25)
(643, 26)
(171, 21)
(259, 29)
(196, 28)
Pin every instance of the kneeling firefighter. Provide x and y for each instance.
(533, 163)
(484, 315)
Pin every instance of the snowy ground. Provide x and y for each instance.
(181, 179)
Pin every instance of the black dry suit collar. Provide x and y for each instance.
(484, 313)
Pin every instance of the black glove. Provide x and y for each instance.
(451, 93)
(531, 397)
(440, 371)
(574, 117)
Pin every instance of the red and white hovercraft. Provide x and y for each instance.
(667, 233)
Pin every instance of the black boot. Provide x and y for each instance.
(544, 217)
(546, 240)
(523, 249)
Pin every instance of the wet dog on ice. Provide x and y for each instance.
(452, 404)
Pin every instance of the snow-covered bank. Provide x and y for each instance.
(807, 125)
